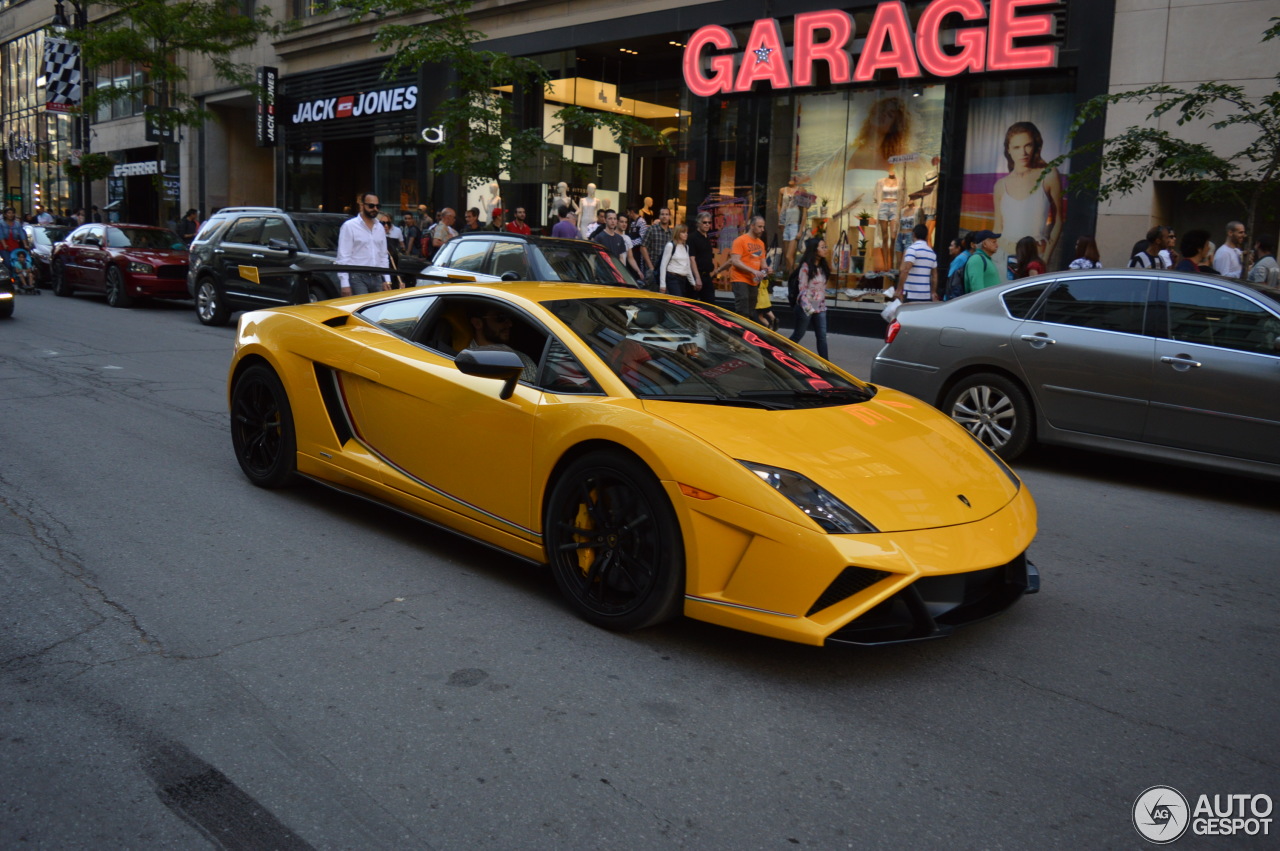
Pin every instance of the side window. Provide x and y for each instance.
(1214, 317)
(98, 233)
(469, 256)
(209, 230)
(459, 322)
(399, 317)
(508, 257)
(275, 228)
(245, 230)
(562, 373)
(1104, 304)
(1019, 302)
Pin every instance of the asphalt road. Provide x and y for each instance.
(188, 661)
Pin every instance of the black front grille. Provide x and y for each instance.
(933, 606)
(172, 273)
(852, 580)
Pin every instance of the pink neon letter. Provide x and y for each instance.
(764, 57)
(832, 51)
(890, 20)
(972, 42)
(1006, 25)
(721, 79)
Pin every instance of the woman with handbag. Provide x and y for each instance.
(811, 306)
(677, 273)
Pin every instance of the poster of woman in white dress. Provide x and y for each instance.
(1010, 140)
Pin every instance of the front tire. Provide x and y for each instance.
(614, 543)
(993, 409)
(210, 308)
(117, 295)
(59, 273)
(315, 293)
(262, 428)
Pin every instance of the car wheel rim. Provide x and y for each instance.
(206, 301)
(607, 543)
(113, 287)
(987, 413)
(257, 419)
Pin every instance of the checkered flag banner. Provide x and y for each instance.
(61, 74)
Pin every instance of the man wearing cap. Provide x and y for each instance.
(980, 270)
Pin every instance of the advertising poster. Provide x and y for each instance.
(1009, 141)
(872, 154)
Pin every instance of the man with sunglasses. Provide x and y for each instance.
(491, 327)
(704, 257)
(363, 242)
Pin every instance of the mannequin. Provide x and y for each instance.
(590, 206)
(562, 201)
(490, 202)
(927, 196)
(789, 219)
(886, 201)
(647, 210)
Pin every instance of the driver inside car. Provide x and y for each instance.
(491, 327)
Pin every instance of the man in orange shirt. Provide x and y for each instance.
(747, 268)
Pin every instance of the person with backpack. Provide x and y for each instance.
(811, 299)
(961, 249)
(980, 270)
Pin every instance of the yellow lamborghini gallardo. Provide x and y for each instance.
(664, 456)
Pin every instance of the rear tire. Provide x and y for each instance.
(210, 307)
(614, 543)
(993, 409)
(262, 428)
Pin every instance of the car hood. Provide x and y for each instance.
(895, 460)
(155, 257)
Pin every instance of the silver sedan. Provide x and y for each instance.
(1167, 365)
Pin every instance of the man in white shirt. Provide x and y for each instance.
(44, 217)
(363, 242)
(1228, 260)
(918, 277)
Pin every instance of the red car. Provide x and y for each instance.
(124, 261)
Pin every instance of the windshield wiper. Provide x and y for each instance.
(856, 393)
(716, 400)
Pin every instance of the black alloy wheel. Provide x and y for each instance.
(995, 410)
(60, 285)
(117, 295)
(210, 308)
(614, 543)
(262, 428)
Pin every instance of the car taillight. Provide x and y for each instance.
(892, 331)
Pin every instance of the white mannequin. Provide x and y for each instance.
(562, 201)
(590, 206)
(887, 199)
(490, 202)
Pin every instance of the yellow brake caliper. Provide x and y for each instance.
(586, 555)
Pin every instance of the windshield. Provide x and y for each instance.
(319, 234)
(585, 264)
(694, 352)
(46, 236)
(150, 238)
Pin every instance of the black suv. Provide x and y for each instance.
(261, 236)
(495, 256)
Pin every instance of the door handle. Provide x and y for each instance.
(258, 256)
(219, 251)
(1181, 360)
(1038, 338)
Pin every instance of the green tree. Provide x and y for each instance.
(161, 37)
(483, 136)
(1125, 162)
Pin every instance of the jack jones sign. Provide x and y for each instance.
(890, 45)
(353, 106)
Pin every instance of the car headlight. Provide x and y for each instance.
(142, 268)
(825, 510)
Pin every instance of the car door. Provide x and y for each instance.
(280, 289)
(238, 248)
(92, 258)
(448, 437)
(1086, 357)
(1217, 373)
(508, 261)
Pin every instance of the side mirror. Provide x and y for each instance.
(93, 240)
(492, 363)
(510, 276)
(282, 245)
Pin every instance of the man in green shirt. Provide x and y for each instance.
(980, 270)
